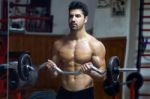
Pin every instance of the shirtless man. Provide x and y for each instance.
(77, 51)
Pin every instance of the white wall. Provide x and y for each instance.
(106, 25)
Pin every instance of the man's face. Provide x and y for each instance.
(76, 19)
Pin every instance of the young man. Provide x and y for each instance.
(78, 51)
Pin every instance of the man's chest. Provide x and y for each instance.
(80, 51)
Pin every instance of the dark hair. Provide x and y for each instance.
(79, 5)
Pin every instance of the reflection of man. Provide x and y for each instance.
(78, 51)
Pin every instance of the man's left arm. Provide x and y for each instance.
(98, 61)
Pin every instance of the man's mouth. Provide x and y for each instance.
(73, 24)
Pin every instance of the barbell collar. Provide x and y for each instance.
(30, 67)
(127, 69)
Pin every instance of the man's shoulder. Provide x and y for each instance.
(94, 42)
(59, 42)
(94, 39)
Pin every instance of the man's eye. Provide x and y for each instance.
(78, 16)
(70, 16)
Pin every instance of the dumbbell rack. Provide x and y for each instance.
(143, 56)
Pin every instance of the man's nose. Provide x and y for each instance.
(73, 18)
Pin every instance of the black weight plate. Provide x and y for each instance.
(110, 88)
(13, 79)
(113, 69)
(33, 77)
(3, 72)
(138, 80)
(24, 64)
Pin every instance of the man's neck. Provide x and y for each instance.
(78, 34)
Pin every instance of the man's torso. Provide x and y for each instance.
(73, 54)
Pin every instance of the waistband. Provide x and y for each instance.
(80, 91)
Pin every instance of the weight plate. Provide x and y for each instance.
(3, 72)
(13, 79)
(24, 66)
(137, 77)
(33, 77)
(113, 69)
(110, 88)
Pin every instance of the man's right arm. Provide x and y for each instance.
(53, 62)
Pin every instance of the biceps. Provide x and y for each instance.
(55, 58)
(99, 62)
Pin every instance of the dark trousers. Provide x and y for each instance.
(83, 94)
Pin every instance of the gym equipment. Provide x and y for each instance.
(114, 69)
(112, 83)
(11, 72)
(112, 88)
(13, 79)
(25, 66)
(28, 73)
(136, 78)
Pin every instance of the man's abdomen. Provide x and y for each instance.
(76, 82)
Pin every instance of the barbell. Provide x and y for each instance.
(111, 84)
(28, 73)
(25, 67)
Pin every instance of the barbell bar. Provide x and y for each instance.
(77, 72)
(127, 69)
(61, 71)
(25, 66)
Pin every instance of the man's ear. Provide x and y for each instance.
(86, 19)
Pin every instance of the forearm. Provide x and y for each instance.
(97, 76)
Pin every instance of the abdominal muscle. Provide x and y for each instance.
(75, 82)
